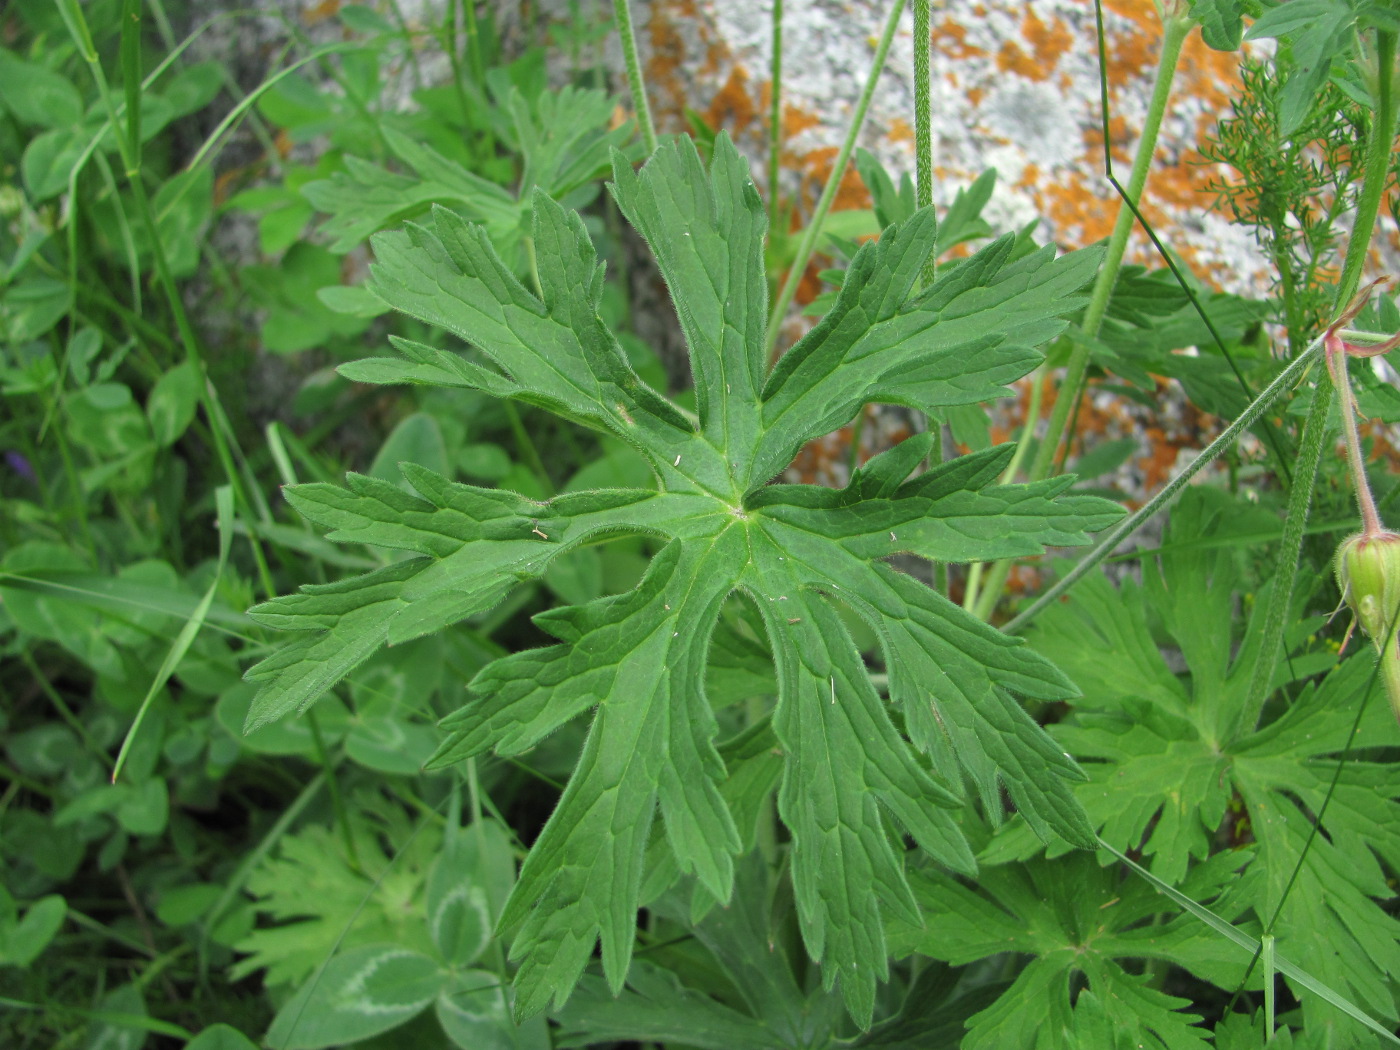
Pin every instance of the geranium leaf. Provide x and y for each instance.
(797, 554)
(1167, 772)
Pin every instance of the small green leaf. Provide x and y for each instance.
(172, 403)
(183, 905)
(1222, 22)
(30, 307)
(22, 942)
(355, 300)
(145, 808)
(358, 994)
(416, 439)
(474, 1011)
(50, 158)
(467, 889)
(37, 95)
(221, 1037)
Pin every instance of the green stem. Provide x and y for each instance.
(775, 114)
(1374, 176)
(1173, 37)
(1175, 31)
(1365, 501)
(974, 578)
(1282, 383)
(923, 128)
(623, 13)
(473, 43)
(814, 228)
(1290, 546)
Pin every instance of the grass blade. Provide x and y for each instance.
(1296, 973)
(223, 498)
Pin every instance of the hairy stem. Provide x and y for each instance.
(1373, 180)
(622, 11)
(923, 127)
(1365, 502)
(775, 114)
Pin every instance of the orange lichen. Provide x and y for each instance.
(796, 121)
(950, 38)
(733, 104)
(1047, 42)
(668, 54)
(1143, 14)
(899, 131)
(320, 12)
(1080, 211)
(1011, 59)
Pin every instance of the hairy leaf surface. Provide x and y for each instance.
(797, 553)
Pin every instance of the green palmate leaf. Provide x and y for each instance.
(795, 554)
(564, 140)
(1168, 767)
(1078, 919)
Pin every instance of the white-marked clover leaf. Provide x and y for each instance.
(851, 776)
(358, 994)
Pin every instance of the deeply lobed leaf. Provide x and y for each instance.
(1170, 773)
(795, 553)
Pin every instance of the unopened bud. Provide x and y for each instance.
(1368, 573)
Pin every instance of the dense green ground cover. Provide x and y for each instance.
(537, 710)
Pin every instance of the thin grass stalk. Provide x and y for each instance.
(1271, 393)
(1175, 29)
(808, 245)
(77, 25)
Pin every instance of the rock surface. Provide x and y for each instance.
(1015, 87)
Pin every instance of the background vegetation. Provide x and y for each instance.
(1181, 831)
